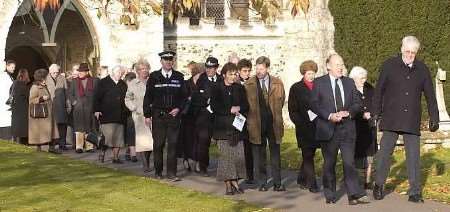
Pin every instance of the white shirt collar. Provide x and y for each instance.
(166, 73)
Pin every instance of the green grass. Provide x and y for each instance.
(32, 181)
(435, 168)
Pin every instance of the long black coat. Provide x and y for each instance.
(110, 101)
(19, 122)
(298, 106)
(398, 93)
(222, 99)
(82, 106)
(366, 135)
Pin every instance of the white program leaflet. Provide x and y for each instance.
(239, 122)
(311, 115)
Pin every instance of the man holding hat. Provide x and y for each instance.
(163, 100)
(200, 105)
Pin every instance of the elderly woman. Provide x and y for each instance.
(111, 111)
(57, 85)
(134, 100)
(226, 103)
(366, 134)
(21, 92)
(299, 111)
(41, 122)
(81, 94)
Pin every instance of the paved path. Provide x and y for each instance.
(293, 199)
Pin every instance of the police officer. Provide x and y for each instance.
(163, 100)
(200, 103)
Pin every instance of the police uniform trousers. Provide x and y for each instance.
(202, 142)
(165, 128)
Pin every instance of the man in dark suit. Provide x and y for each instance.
(397, 105)
(336, 102)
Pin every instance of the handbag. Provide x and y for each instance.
(96, 136)
(39, 110)
(10, 100)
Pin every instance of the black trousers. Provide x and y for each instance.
(248, 159)
(307, 173)
(202, 142)
(260, 158)
(62, 130)
(165, 129)
(186, 138)
(344, 140)
(412, 151)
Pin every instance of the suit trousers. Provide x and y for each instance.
(412, 151)
(344, 141)
(62, 129)
(202, 142)
(248, 159)
(260, 158)
(165, 129)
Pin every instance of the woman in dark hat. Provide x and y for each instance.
(299, 112)
(81, 94)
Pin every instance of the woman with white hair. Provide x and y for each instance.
(111, 111)
(366, 135)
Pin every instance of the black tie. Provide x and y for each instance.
(167, 76)
(338, 96)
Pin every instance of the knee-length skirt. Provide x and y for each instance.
(231, 164)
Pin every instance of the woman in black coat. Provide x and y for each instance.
(298, 106)
(226, 104)
(366, 132)
(20, 92)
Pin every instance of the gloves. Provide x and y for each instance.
(433, 125)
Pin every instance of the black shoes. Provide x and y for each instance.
(417, 198)
(279, 188)
(79, 151)
(237, 190)
(54, 151)
(314, 190)
(117, 161)
(361, 200)
(90, 151)
(134, 159)
(378, 192)
(332, 200)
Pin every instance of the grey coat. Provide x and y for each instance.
(59, 93)
(82, 106)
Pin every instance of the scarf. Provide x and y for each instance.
(309, 84)
(89, 85)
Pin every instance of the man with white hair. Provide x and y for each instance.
(57, 86)
(397, 106)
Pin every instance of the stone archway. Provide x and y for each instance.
(54, 39)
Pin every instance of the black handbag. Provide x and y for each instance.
(96, 137)
(39, 110)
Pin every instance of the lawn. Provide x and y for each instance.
(32, 181)
(435, 165)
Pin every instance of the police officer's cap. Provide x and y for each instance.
(212, 62)
(167, 55)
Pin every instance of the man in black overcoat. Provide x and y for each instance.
(397, 106)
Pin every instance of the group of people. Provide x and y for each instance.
(144, 111)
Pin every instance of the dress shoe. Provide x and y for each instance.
(361, 200)
(134, 159)
(174, 179)
(117, 161)
(279, 188)
(417, 198)
(263, 187)
(330, 200)
(79, 151)
(378, 192)
(303, 186)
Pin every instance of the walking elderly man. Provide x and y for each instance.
(397, 105)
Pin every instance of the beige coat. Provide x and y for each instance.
(41, 131)
(276, 102)
(59, 93)
(134, 100)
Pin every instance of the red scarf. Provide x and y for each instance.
(89, 85)
(309, 84)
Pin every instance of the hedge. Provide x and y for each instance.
(367, 32)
